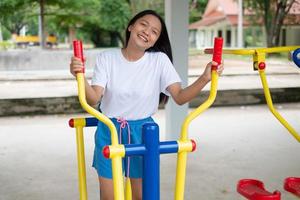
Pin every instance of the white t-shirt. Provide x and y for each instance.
(131, 89)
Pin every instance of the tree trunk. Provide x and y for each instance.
(42, 25)
(280, 15)
(114, 40)
(274, 25)
(121, 39)
(268, 20)
(1, 38)
(72, 36)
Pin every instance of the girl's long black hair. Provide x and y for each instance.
(162, 44)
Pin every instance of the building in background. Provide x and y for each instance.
(220, 19)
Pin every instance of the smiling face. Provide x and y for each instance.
(144, 32)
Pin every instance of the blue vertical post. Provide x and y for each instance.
(151, 162)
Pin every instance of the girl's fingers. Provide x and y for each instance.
(76, 65)
(213, 63)
(76, 69)
(220, 69)
(75, 60)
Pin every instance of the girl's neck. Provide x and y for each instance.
(132, 54)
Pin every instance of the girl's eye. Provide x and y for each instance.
(154, 32)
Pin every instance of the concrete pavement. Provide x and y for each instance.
(38, 155)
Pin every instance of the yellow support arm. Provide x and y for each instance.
(81, 163)
(259, 56)
(259, 61)
(117, 160)
(182, 156)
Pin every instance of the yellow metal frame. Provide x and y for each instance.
(259, 56)
(79, 123)
(115, 146)
(182, 155)
(117, 150)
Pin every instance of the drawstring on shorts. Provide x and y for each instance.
(123, 123)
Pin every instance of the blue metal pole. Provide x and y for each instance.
(168, 147)
(151, 162)
(91, 121)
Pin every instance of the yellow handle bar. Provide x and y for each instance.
(254, 51)
(116, 160)
(182, 156)
(259, 58)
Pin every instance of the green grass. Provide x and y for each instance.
(6, 45)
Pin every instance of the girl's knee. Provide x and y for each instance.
(139, 198)
(106, 196)
(106, 189)
(136, 188)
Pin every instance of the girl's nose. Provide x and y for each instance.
(147, 31)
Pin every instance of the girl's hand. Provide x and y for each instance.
(76, 65)
(207, 72)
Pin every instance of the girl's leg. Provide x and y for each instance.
(106, 188)
(136, 187)
(107, 191)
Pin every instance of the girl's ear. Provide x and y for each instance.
(130, 28)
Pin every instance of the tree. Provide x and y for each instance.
(115, 25)
(197, 8)
(43, 11)
(101, 21)
(274, 12)
(112, 18)
(14, 14)
(139, 5)
(72, 18)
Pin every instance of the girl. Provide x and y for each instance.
(130, 82)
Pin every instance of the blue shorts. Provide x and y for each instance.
(103, 138)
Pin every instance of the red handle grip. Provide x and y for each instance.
(217, 53)
(78, 52)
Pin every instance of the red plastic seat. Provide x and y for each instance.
(292, 185)
(254, 190)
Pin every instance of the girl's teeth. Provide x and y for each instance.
(143, 38)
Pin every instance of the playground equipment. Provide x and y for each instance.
(250, 188)
(255, 190)
(259, 57)
(296, 57)
(30, 40)
(292, 184)
(80, 123)
(150, 149)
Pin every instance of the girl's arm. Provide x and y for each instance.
(93, 93)
(182, 96)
